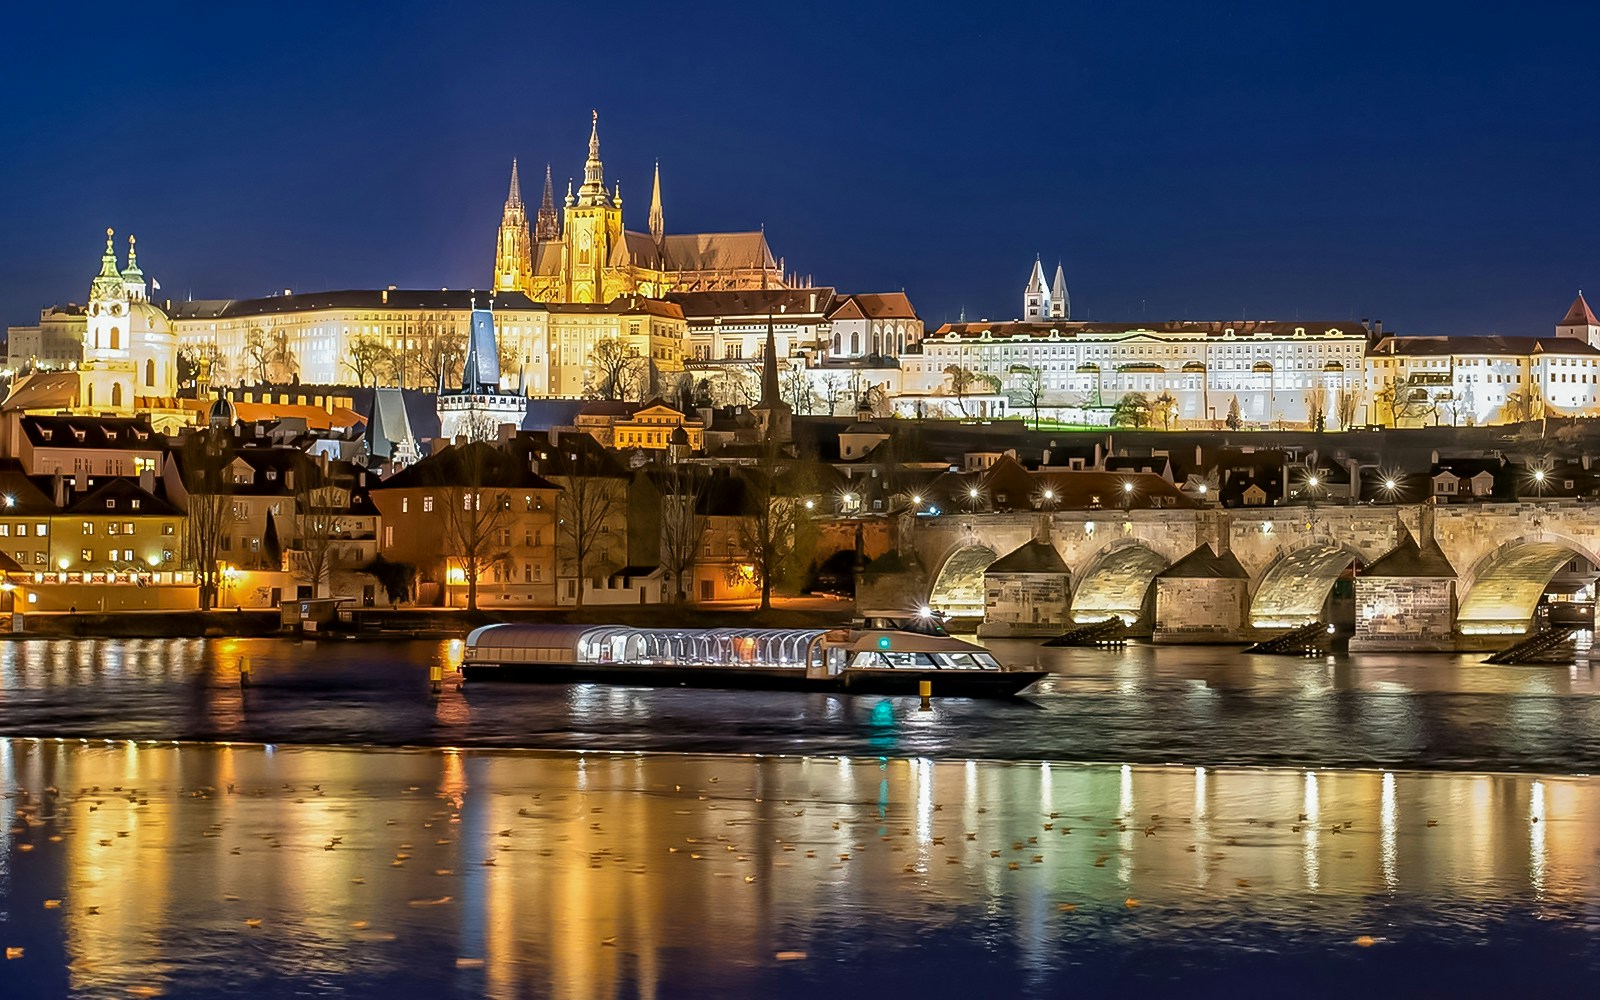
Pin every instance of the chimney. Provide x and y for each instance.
(60, 489)
(147, 480)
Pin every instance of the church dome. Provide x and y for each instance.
(146, 317)
(222, 412)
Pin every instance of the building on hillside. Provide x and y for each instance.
(56, 342)
(650, 333)
(129, 356)
(650, 426)
(589, 257)
(1279, 373)
(480, 407)
(731, 326)
(473, 509)
(398, 337)
(877, 326)
(1472, 381)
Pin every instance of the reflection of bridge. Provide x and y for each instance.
(1419, 576)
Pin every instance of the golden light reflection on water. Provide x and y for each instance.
(575, 876)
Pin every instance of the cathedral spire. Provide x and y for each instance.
(593, 191)
(548, 226)
(515, 197)
(658, 225)
(513, 256)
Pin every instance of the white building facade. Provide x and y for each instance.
(1278, 372)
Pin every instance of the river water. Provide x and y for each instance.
(1144, 704)
(1254, 826)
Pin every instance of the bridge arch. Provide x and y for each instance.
(1503, 589)
(957, 588)
(1296, 584)
(1117, 584)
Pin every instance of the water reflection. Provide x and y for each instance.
(516, 874)
(1198, 706)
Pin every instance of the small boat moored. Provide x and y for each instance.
(855, 660)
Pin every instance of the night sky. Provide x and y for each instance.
(1430, 165)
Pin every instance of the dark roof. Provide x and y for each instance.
(753, 302)
(1037, 556)
(1579, 315)
(570, 452)
(115, 496)
(500, 468)
(122, 433)
(622, 306)
(19, 495)
(1503, 346)
(352, 298)
(1204, 563)
(1408, 559)
(874, 305)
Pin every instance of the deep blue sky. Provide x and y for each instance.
(1433, 165)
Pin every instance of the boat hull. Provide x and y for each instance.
(945, 683)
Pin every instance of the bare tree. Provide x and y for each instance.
(368, 360)
(774, 515)
(206, 455)
(447, 355)
(477, 513)
(962, 382)
(683, 526)
(832, 390)
(1027, 389)
(319, 522)
(590, 500)
(797, 391)
(1347, 406)
(193, 361)
(1316, 409)
(614, 371)
(268, 357)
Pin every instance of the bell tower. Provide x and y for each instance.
(593, 225)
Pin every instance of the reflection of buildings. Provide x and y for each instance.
(697, 869)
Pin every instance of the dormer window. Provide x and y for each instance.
(111, 505)
(46, 433)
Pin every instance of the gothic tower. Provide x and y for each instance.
(592, 227)
(658, 223)
(548, 225)
(513, 259)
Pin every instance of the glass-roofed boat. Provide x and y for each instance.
(861, 660)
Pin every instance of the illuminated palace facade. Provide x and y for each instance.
(587, 256)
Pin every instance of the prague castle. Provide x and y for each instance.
(587, 256)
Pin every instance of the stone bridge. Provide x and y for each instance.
(1422, 576)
